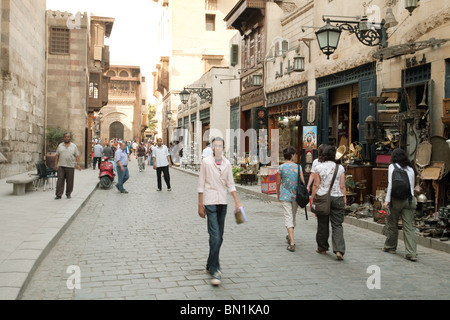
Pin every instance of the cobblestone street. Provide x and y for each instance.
(153, 245)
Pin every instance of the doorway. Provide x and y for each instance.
(344, 116)
(116, 130)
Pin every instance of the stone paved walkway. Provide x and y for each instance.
(152, 245)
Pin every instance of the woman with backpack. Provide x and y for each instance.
(401, 203)
(287, 180)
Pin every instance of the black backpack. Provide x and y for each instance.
(401, 188)
(302, 192)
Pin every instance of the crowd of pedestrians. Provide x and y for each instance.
(216, 179)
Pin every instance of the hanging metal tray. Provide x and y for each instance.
(441, 152)
(423, 154)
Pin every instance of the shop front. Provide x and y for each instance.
(285, 115)
(345, 99)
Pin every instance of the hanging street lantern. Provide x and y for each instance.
(299, 64)
(184, 96)
(370, 130)
(390, 19)
(257, 79)
(410, 5)
(328, 38)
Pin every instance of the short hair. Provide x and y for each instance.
(218, 139)
(328, 154)
(289, 152)
(67, 133)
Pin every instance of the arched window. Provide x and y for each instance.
(123, 74)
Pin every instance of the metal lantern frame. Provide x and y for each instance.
(368, 33)
(203, 93)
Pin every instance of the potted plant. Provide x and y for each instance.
(54, 137)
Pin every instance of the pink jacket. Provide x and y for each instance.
(214, 181)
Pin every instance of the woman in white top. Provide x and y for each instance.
(313, 168)
(322, 181)
(404, 208)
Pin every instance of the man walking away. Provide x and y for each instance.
(108, 152)
(67, 158)
(121, 158)
(216, 177)
(161, 163)
(98, 150)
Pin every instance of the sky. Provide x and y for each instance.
(134, 34)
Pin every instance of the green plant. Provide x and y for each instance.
(236, 176)
(54, 137)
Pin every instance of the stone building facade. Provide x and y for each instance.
(125, 115)
(187, 51)
(22, 85)
(76, 87)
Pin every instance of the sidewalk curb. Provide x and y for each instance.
(54, 239)
(368, 224)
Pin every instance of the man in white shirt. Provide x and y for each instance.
(161, 163)
(207, 151)
(98, 152)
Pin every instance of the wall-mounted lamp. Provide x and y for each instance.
(370, 133)
(257, 80)
(328, 38)
(410, 5)
(390, 19)
(203, 93)
(369, 34)
(298, 66)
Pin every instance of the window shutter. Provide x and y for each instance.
(285, 46)
(234, 54)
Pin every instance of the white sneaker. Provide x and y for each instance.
(216, 278)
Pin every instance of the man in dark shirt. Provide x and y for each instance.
(108, 151)
(140, 155)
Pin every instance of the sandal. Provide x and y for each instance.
(291, 247)
(321, 252)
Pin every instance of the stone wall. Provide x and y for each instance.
(22, 85)
(68, 81)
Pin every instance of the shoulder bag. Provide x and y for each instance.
(321, 205)
(302, 197)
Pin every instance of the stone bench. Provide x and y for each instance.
(22, 183)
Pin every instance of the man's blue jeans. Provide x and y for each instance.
(122, 176)
(216, 224)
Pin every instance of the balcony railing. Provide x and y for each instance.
(121, 93)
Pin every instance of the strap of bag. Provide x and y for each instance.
(334, 178)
